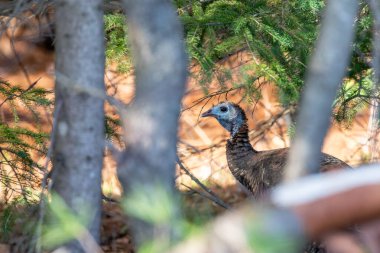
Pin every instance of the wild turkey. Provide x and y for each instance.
(256, 170)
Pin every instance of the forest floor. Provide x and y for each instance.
(201, 146)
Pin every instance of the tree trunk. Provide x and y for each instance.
(151, 121)
(78, 144)
(372, 129)
(373, 122)
(326, 71)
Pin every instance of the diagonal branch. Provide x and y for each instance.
(203, 195)
(211, 194)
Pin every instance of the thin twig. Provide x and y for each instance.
(262, 127)
(15, 172)
(66, 82)
(213, 94)
(213, 196)
(38, 233)
(206, 196)
(17, 56)
(31, 86)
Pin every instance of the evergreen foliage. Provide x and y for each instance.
(19, 173)
(280, 35)
(112, 125)
(20, 145)
(117, 50)
(358, 90)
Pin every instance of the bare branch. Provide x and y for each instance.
(13, 96)
(41, 210)
(68, 83)
(211, 194)
(209, 96)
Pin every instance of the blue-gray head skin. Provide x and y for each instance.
(229, 115)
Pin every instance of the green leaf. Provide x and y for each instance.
(65, 225)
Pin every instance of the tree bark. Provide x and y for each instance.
(79, 141)
(151, 121)
(373, 122)
(325, 73)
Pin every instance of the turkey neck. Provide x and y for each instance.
(239, 148)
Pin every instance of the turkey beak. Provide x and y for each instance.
(208, 114)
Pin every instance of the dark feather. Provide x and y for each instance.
(261, 170)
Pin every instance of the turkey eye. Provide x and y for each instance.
(223, 109)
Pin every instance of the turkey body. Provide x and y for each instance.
(256, 170)
(261, 170)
